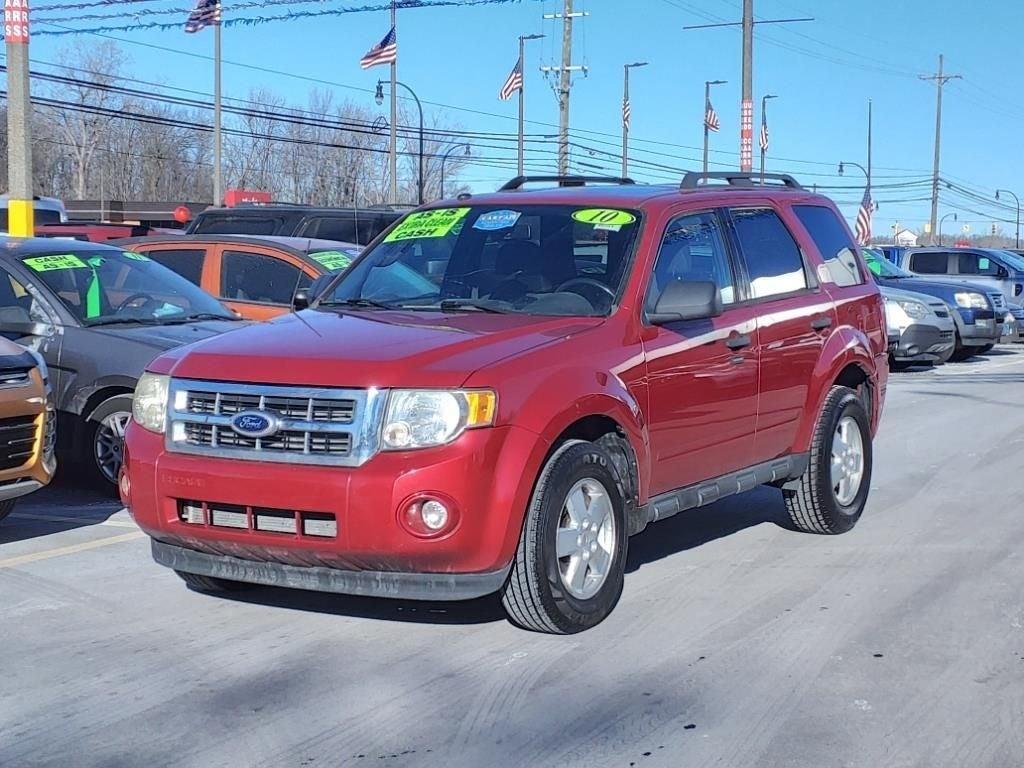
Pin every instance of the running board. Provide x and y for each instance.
(709, 491)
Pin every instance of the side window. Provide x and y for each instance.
(833, 243)
(186, 262)
(973, 264)
(255, 277)
(332, 228)
(771, 254)
(18, 304)
(693, 248)
(930, 263)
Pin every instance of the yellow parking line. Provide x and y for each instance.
(14, 562)
(85, 521)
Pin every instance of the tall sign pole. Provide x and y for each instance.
(520, 159)
(393, 146)
(940, 80)
(747, 103)
(218, 182)
(20, 220)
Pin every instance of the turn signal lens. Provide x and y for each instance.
(481, 405)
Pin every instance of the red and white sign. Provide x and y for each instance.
(746, 136)
(235, 197)
(16, 21)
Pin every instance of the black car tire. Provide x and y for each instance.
(535, 596)
(985, 349)
(812, 500)
(960, 352)
(6, 507)
(212, 584)
(94, 433)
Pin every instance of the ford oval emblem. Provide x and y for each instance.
(255, 424)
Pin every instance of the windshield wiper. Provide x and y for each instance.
(123, 321)
(358, 303)
(449, 305)
(178, 319)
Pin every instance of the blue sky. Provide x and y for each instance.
(824, 72)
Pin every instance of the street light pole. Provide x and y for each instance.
(379, 98)
(764, 120)
(1016, 239)
(445, 159)
(522, 101)
(707, 103)
(626, 111)
(940, 224)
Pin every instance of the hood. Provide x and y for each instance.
(368, 349)
(895, 293)
(163, 337)
(937, 286)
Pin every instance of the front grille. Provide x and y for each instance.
(939, 309)
(998, 301)
(17, 440)
(264, 519)
(14, 378)
(946, 335)
(313, 426)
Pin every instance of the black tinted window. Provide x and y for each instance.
(693, 249)
(341, 228)
(771, 254)
(833, 243)
(973, 264)
(240, 225)
(255, 277)
(929, 263)
(187, 263)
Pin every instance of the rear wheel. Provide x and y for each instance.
(830, 496)
(570, 565)
(212, 584)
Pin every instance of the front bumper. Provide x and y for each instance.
(978, 328)
(924, 343)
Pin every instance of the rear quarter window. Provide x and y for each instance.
(186, 262)
(930, 263)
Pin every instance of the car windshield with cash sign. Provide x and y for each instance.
(530, 259)
(107, 287)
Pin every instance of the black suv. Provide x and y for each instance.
(350, 225)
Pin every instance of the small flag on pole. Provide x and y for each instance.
(513, 83)
(627, 112)
(711, 118)
(205, 14)
(384, 52)
(862, 229)
(764, 133)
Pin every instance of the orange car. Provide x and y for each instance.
(257, 276)
(27, 425)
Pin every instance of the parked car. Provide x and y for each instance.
(977, 311)
(97, 315)
(257, 277)
(93, 233)
(995, 269)
(892, 253)
(45, 210)
(927, 332)
(578, 362)
(350, 225)
(27, 425)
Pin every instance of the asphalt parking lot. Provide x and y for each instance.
(737, 642)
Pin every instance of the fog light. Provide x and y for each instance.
(434, 515)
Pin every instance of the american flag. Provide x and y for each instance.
(513, 83)
(384, 52)
(205, 14)
(862, 229)
(764, 133)
(627, 112)
(711, 118)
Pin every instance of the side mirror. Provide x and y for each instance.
(1002, 272)
(687, 300)
(305, 296)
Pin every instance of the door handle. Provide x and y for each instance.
(737, 340)
(821, 323)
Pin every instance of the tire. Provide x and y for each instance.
(212, 584)
(985, 349)
(102, 432)
(6, 507)
(816, 504)
(960, 352)
(541, 593)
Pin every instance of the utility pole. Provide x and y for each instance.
(747, 95)
(218, 183)
(564, 82)
(940, 80)
(869, 146)
(626, 113)
(20, 219)
(393, 145)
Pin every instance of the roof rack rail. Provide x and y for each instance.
(563, 181)
(695, 179)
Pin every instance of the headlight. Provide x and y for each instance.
(914, 309)
(149, 408)
(971, 300)
(896, 316)
(420, 418)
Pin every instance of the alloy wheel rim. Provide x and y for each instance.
(847, 468)
(585, 543)
(108, 448)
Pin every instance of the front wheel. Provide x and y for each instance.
(984, 350)
(830, 496)
(104, 440)
(570, 565)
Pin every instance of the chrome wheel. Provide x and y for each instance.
(586, 541)
(108, 445)
(847, 460)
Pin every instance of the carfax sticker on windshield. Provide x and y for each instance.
(436, 223)
(331, 260)
(493, 220)
(58, 261)
(606, 217)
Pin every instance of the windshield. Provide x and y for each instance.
(526, 259)
(1015, 261)
(107, 286)
(882, 267)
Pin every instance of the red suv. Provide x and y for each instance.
(504, 387)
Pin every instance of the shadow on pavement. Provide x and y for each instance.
(64, 505)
